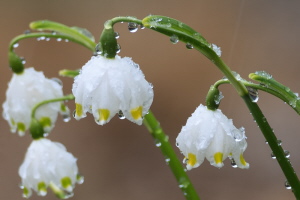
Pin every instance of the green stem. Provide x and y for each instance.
(267, 131)
(162, 142)
(64, 98)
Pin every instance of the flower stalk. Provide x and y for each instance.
(162, 141)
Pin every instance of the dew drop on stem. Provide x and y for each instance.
(279, 142)
(117, 35)
(287, 153)
(287, 185)
(118, 50)
(273, 156)
(74, 113)
(15, 45)
(253, 94)
(57, 80)
(132, 27)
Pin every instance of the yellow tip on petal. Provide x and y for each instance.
(103, 114)
(79, 110)
(218, 157)
(191, 159)
(243, 162)
(136, 113)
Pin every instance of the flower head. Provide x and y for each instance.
(48, 164)
(24, 92)
(210, 134)
(105, 87)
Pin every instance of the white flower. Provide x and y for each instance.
(105, 87)
(48, 164)
(210, 134)
(24, 92)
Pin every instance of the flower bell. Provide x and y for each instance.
(48, 164)
(24, 91)
(105, 87)
(210, 134)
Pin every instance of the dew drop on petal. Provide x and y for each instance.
(66, 117)
(23, 61)
(174, 39)
(79, 179)
(253, 94)
(287, 185)
(98, 49)
(189, 46)
(74, 113)
(45, 134)
(121, 115)
(233, 163)
(57, 80)
(132, 27)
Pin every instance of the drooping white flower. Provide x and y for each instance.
(24, 92)
(105, 87)
(210, 134)
(48, 164)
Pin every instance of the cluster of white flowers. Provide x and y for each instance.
(105, 87)
(24, 92)
(210, 134)
(48, 164)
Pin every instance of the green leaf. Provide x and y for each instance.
(76, 33)
(288, 96)
(183, 32)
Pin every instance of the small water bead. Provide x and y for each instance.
(42, 193)
(177, 144)
(79, 179)
(118, 50)
(287, 153)
(98, 49)
(267, 142)
(74, 113)
(167, 160)
(53, 33)
(233, 163)
(142, 27)
(273, 156)
(189, 46)
(287, 185)
(26, 32)
(264, 74)
(132, 27)
(174, 39)
(151, 85)
(158, 144)
(117, 35)
(15, 45)
(66, 117)
(279, 142)
(218, 98)
(287, 89)
(23, 61)
(57, 80)
(121, 115)
(253, 94)
(66, 40)
(45, 134)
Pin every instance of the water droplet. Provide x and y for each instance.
(157, 143)
(218, 98)
(279, 142)
(47, 39)
(293, 103)
(233, 163)
(287, 153)
(185, 160)
(98, 49)
(121, 115)
(264, 74)
(217, 50)
(54, 33)
(117, 35)
(273, 156)
(267, 142)
(79, 179)
(27, 32)
(57, 80)
(253, 94)
(287, 185)
(15, 45)
(74, 113)
(66, 117)
(177, 144)
(45, 134)
(66, 40)
(142, 27)
(42, 193)
(167, 160)
(287, 89)
(151, 85)
(58, 39)
(189, 46)
(68, 195)
(174, 39)
(132, 27)
(23, 61)
(118, 48)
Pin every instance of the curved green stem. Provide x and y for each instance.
(162, 142)
(64, 98)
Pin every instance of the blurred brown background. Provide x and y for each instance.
(120, 160)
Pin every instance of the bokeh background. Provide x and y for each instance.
(119, 160)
